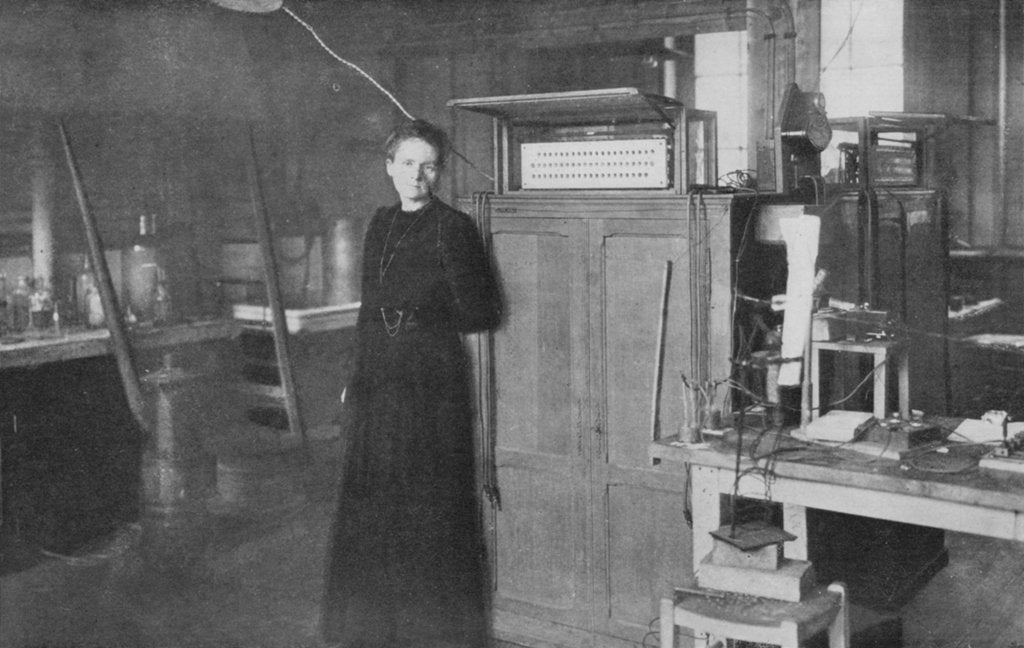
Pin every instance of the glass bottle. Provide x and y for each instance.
(162, 311)
(94, 316)
(3, 304)
(40, 305)
(19, 305)
(140, 271)
(83, 282)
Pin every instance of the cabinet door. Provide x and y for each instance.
(538, 537)
(641, 536)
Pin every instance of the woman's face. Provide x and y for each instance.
(414, 171)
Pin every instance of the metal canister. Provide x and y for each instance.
(179, 474)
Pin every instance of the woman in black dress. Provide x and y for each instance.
(406, 565)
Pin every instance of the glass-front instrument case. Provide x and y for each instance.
(617, 139)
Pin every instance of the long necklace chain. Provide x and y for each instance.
(392, 329)
(383, 266)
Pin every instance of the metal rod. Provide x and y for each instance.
(659, 358)
(270, 274)
(112, 313)
(805, 384)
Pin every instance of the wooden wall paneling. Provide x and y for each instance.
(1012, 225)
(480, 26)
(472, 133)
(973, 207)
(807, 19)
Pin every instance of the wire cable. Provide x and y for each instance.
(377, 85)
(350, 64)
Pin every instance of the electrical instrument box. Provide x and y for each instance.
(598, 140)
(887, 149)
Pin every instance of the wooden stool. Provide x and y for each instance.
(881, 351)
(750, 618)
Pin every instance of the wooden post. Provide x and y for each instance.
(112, 313)
(270, 274)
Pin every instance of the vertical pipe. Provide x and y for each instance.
(42, 212)
(1000, 202)
(670, 71)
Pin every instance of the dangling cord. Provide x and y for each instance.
(348, 63)
(482, 209)
(377, 85)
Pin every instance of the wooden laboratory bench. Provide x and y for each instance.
(877, 524)
(35, 348)
(981, 502)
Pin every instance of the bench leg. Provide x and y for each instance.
(839, 630)
(667, 628)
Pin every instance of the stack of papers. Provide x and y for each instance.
(839, 425)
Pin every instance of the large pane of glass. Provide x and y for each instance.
(720, 67)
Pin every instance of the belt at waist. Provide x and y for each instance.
(409, 319)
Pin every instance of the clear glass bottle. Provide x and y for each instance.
(94, 316)
(140, 271)
(40, 305)
(83, 282)
(162, 311)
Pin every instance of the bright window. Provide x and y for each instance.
(720, 68)
(861, 62)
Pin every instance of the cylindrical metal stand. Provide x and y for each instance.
(178, 473)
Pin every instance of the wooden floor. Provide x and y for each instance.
(257, 582)
(977, 601)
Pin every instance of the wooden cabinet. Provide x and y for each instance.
(587, 537)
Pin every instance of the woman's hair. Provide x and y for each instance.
(418, 129)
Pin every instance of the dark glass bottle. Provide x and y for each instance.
(20, 304)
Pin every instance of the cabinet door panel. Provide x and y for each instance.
(648, 554)
(630, 288)
(539, 535)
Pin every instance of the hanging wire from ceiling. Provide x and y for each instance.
(377, 85)
(846, 38)
(350, 64)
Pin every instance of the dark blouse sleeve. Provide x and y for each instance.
(475, 299)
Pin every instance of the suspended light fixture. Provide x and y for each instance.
(250, 6)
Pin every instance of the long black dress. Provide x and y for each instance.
(406, 567)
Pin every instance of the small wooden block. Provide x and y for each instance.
(767, 557)
(752, 535)
(790, 582)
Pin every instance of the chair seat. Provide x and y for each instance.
(752, 618)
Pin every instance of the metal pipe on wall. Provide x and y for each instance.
(1001, 108)
(670, 70)
(42, 211)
